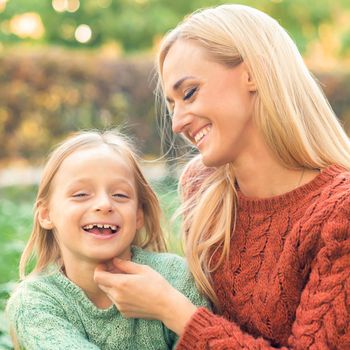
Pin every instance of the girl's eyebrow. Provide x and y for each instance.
(85, 180)
(178, 84)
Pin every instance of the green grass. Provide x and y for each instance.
(16, 211)
(15, 224)
(168, 196)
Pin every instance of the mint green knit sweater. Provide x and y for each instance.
(50, 312)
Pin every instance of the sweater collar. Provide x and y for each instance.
(138, 256)
(315, 186)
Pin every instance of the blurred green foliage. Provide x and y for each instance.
(15, 224)
(136, 24)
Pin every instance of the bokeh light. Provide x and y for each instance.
(66, 5)
(3, 5)
(59, 5)
(27, 25)
(83, 33)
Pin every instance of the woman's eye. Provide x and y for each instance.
(189, 93)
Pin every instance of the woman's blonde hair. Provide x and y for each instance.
(290, 110)
(42, 244)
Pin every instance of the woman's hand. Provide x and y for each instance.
(140, 292)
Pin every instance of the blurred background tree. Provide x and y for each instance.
(136, 25)
(73, 64)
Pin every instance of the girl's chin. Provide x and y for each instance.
(106, 259)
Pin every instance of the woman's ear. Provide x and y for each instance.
(249, 79)
(251, 83)
(44, 218)
(140, 220)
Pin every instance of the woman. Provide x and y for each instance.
(266, 205)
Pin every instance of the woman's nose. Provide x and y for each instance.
(180, 120)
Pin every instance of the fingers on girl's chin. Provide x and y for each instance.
(109, 266)
(100, 267)
(118, 261)
(105, 289)
(127, 266)
(119, 265)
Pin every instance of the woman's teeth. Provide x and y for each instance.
(201, 134)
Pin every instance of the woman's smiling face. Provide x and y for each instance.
(211, 104)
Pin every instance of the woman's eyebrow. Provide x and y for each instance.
(178, 84)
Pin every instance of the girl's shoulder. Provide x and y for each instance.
(171, 266)
(158, 261)
(35, 291)
(174, 269)
(35, 284)
(36, 280)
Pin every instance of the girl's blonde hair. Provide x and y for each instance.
(290, 110)
(42, 244)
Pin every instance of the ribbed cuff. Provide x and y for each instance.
(192, 336)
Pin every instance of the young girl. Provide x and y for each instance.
(93, 205)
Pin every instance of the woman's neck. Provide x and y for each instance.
(260, 175)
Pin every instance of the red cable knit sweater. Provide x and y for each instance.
(287, 282)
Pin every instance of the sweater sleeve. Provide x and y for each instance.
(39, 323)
(322, 317)
(183, 281)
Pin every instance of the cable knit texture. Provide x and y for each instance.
(50, 312)
(287, 282)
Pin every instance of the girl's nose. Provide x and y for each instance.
(180, 120)
(104, 203)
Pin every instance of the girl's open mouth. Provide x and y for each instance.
(101, 229)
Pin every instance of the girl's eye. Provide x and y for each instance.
(79, 195)
(120, 195)
(189, 93)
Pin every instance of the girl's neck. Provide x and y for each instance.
(82, 274)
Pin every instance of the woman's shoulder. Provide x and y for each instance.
(331, 209)
(328, 196)
(337, 191)
(193, 175)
